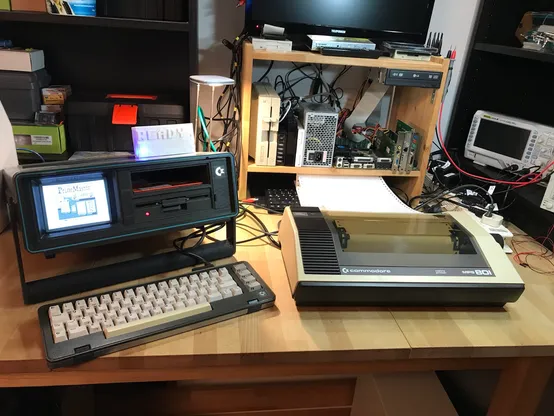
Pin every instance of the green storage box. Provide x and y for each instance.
(48, 140)
(5, 5)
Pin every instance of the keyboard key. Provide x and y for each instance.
(54, 311)
(115, 306)
(76, 315)
(80, 304)
(94, 328)
(141, 290)
(212, 290)
(132, 317)
(126, 303)
(93, 301)
(99, 317)
(204, 283)
(226, 278)
(227, 285)
(144, 314)
(162, 294)
(179, 305)
(72, 324)
(167, 308)
(124, 312)
(171, 292)
(58, 327)
(89, 312)
(117, 296)
(68, 307)
(213, 297)
(170, 301)
(192, 294)
(244, 273)
(59, 336)
(78, 332)
(194, 286)
(190, 302)
(87, 320)
(163, 286)
(105, 299)
(203, 275)
(173, 283)
(201, 299)
(110, 315)
(120, 320)
(102, 308)
(239, 267)
(213, 273)
(156, 320)
(226, 293)
(183, 289)
(184, 281)
(152, 288)
(147, 306)
(156, 311)
(253, 286)
(223, 271)
(63, 317)
(135, 309)
(106, 324)
(150, 297)
(202, 292)
(248, 279)
(159, 303)
(213, 281)
(129, 293)
(236, 291)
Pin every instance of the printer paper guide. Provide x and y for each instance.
(349, 194)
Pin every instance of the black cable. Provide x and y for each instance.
(407, 198)
(269, 235)
(262, 207)
(454, 191)
(267, 72)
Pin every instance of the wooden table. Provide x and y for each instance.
(289, 343)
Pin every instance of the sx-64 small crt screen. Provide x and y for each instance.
(76, 204)
(376, 19)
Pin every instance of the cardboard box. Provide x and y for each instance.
(29, 5)
(401, 394)
(21, 60)
(8, 158)
(49, 140)
(5, 5)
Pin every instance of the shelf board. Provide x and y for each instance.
(37, 17)
(317, 58)
(514, 51)
(252, 167)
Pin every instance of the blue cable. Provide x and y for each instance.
(31, 151)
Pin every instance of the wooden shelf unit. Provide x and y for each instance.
(417, 106)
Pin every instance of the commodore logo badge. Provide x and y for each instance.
(220, 171)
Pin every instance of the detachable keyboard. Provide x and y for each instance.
(82, 329)
(279, 199)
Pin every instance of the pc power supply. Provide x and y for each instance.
(317, 135)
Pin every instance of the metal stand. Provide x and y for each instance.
(96, 278)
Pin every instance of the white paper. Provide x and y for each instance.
(349, 194)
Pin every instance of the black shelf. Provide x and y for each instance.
(514, 51)
(37, 17)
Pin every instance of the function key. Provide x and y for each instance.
(239, 267)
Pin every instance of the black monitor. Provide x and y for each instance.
(378, 20)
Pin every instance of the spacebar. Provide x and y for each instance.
(163, 318)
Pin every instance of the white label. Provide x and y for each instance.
(173, 139)
(40, 140)
(492, 189)
(446, 165)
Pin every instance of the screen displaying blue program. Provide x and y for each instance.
(76, 204)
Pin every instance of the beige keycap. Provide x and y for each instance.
(203, 275)
(87, 320)
(76, 315)
(144, 314)
(102, 308)
(194, 278)
(192, 294)
(163, 286)
(60, 319)
(58, 327)
(184, 281)
(135, 309)
(226, 293)
(132, 317)
(194, 286)
(236, 291)
(223, 271)
(117, 296)
(202, 292)
(204, 283)
(162, 294)
(172, 291)
(110, 315)
(71, 324)
(226, 278)
(59, 336)
(159, 302)
(89, 312)
(156, 311)
(212, 290)
(124, 312)
(78, 332)
(80, 304)
(252, 286)
(120, 320)
(152, 288)
(106, 324)
(141, 290)
(126, 303)
(150, 297)
(227, 285)
(105, 299)
(129, 293)
(190, 302)
(201, 299)
(183, 289)
(213, 273)
(54, 311)
(68, 307)
(156, 320)
(138, 300)
(213, 297)
(167, 308)
(147, 306)
(99, 317)
(93, 301)
(115, 306)
(94, 328)
(179, 305)
(182, 296)
(248, 279)
(174, 283)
